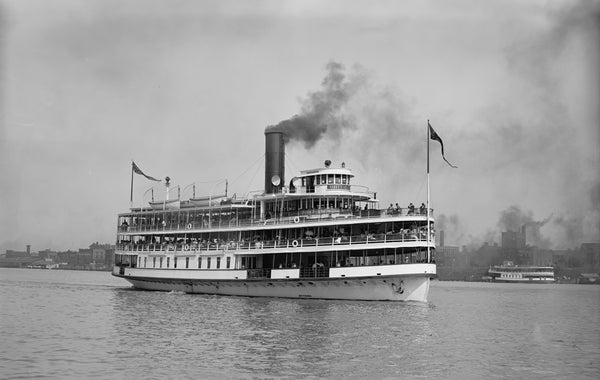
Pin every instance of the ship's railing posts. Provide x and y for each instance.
(210, 199)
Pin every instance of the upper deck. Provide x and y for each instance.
(316, 197)
(233, 217)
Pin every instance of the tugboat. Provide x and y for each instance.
(317, 236)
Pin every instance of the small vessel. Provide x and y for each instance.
(316, 236)
(508, 272)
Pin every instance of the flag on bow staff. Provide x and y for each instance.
(434, 136)
(137, 170)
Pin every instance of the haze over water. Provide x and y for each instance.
(73, 325)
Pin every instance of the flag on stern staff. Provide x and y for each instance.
(137, 170)
(434, 136)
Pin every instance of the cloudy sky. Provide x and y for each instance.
(186, 89)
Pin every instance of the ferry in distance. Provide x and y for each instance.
(317, 236)
(508, 272)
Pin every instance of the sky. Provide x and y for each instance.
(187, 88)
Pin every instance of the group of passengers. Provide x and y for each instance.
(396, 210)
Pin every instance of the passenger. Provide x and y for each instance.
(411, 209)
(397, 209)
(423, 209)
(390, 209)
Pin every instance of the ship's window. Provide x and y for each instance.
(303, 181)
(344, 179)
(168, 261)
(208, 262)
(160, 263)
(317, 180)
(329, 179)
(218, 263)
(145, 261)
(199, 262)
(187, 262)
(154, 262)
(228, 262)
(174, 262)
(337, 179)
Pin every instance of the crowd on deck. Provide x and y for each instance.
(395, 210)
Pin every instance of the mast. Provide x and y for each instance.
(428, 196)
(131, 188)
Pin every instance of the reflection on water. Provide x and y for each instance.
(62, 324)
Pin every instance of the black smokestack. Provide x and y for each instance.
(274, 161)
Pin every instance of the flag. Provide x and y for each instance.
(436, 137)
(137, 170)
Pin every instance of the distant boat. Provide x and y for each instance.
(508, 272)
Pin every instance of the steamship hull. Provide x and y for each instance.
(413, 285)
(316, 236)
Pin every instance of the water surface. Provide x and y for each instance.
(74, 324)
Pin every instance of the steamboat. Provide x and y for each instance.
(318, 236)
(509, 272)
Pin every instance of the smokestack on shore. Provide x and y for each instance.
(274, 161)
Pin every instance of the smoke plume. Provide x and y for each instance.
(321, 112)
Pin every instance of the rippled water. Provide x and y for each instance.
(70, 324)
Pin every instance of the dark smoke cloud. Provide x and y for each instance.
(359, 119)
(321, 111)
(513, 219)
(573, 229)
(456, 233)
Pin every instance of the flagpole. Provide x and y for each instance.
(131, 188)
(428, 195)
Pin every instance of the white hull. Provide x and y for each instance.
(537, 280)
(407, 287)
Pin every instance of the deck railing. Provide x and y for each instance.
(186, 248)
(230, 222)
